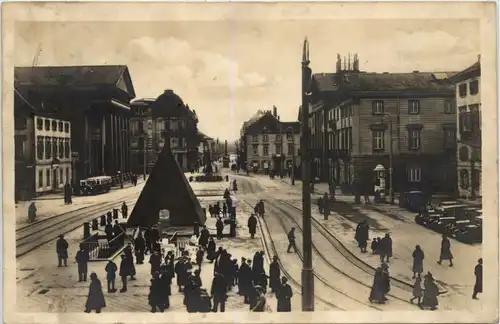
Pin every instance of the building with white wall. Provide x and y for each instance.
(468, 98)
(53, 167)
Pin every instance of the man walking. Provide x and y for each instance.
(291, 241)
(82, 258)
(62, 251)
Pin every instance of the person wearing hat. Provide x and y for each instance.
(95, 298)
(241, 273)
(124, 272)
(111, 269)
(155, 294)
(274, 275)
(284, 296)
(478, 272)
(377, 291)
(82, 259)
(155, 262)
(62, 251)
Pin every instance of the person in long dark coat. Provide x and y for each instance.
(95, 298)
(320, 205)
(155, 294)
(179, 273)
(252, 225)
(68, 192)
(224, 210)
(284, 296)
(418, 261)
(262, 209)
(218, 259)
(32, 212)
(139, 248)
(111, 269)
(192, 293)
(62, 251)
(199, 256)
(82, 259)
(130, 261)
(377, 290)
(218, 292)
(241, 273)
(274, 275)
(219, 225)
(204, 236)
(166, 288)
(124, 210)
(385, 248)
(478, 272)
(362, 235)
(108, 229)
(431, 291)
(445, 251)
(256, 271)
(246, 281)
(147, 239)
(326, 206)
(124, 272)
(211, 253)
(155, 261)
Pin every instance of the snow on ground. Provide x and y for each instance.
(38, 271)
(53, 204)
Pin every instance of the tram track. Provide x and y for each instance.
(367, 270)
(351, 257)
(30, 237)
(271, 251)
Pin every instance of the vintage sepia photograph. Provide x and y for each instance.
(187, 159)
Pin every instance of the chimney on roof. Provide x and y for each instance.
(275, 111)
(355, 64)
(339, 63)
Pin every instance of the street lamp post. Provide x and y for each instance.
(145, 162)
(307, 271)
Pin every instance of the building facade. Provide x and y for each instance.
(143, 157)
(42, 150)
(360, 120)
(95, 101)
(156, 120)
(269, 144)
(468, 117)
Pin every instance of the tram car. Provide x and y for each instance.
(95, 185)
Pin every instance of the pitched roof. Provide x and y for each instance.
(471, 71)
(362, 81)
(294, 125)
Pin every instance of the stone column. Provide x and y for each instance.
(103, 144)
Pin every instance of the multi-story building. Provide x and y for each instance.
(360, 120)
(42, 149)
(269, 144)
(468, 97)
(154, 120)
(205, 149)
(95, 101)
(143, 157)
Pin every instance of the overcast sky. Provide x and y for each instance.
(227, 70)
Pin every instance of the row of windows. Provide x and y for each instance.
(341, 140)
(51, 124)
(378, 107)
(265, 138)
(265, 149)
(48, 148)
(473, 88)
(414, 139)
(56, 176)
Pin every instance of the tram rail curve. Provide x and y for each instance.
(325, 233)
(351, 257)
(28, 238)
(271, 251)
(279, 216)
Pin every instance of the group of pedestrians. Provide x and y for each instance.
(427, 296)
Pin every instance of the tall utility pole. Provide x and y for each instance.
(307, 271)
(145, 148)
